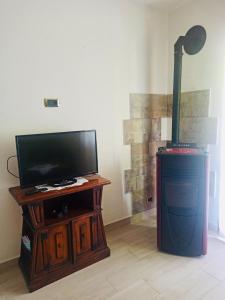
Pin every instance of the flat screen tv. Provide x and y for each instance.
(54, 157)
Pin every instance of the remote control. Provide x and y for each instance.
(33, 191)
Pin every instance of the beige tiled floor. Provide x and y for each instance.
(135, 270)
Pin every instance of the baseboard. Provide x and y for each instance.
(8, 264)
(117, 224)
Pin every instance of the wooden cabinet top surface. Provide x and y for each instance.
(23, 199)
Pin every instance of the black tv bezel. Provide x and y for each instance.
(52, 133)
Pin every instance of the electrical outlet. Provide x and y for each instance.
(150, 199)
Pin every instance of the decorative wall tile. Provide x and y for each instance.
(139, 161)
(155, 129)
(141, 182)
(139, 205)
(140, 149)
(137, 179)
(198, 130)
(195, 104)
(148, 105)
(158, 106)
(192, 104)
(145, 170)
(153, 147)
(153, 164)
(143, 133)
(169, 105)
(140, 200)
(139, 106)
(136, 131)
(130, 181)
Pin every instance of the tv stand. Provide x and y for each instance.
(53, 247)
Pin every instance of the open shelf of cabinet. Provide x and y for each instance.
(62, 231)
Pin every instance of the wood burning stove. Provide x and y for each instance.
(182, 175)
(182, 189)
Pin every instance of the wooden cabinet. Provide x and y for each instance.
(57, 241)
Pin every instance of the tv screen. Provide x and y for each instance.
(53, 157)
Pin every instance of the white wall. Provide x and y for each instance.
(204, 70)
(90, 54)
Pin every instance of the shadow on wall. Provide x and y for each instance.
(143, 133)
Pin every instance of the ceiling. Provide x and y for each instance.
(167, 5)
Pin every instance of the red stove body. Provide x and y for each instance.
(182, 200)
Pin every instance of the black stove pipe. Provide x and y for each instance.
(177, 89)
(192, 42)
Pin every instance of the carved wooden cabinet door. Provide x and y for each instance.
(52, 248)
(58, 245)
(81, 236)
